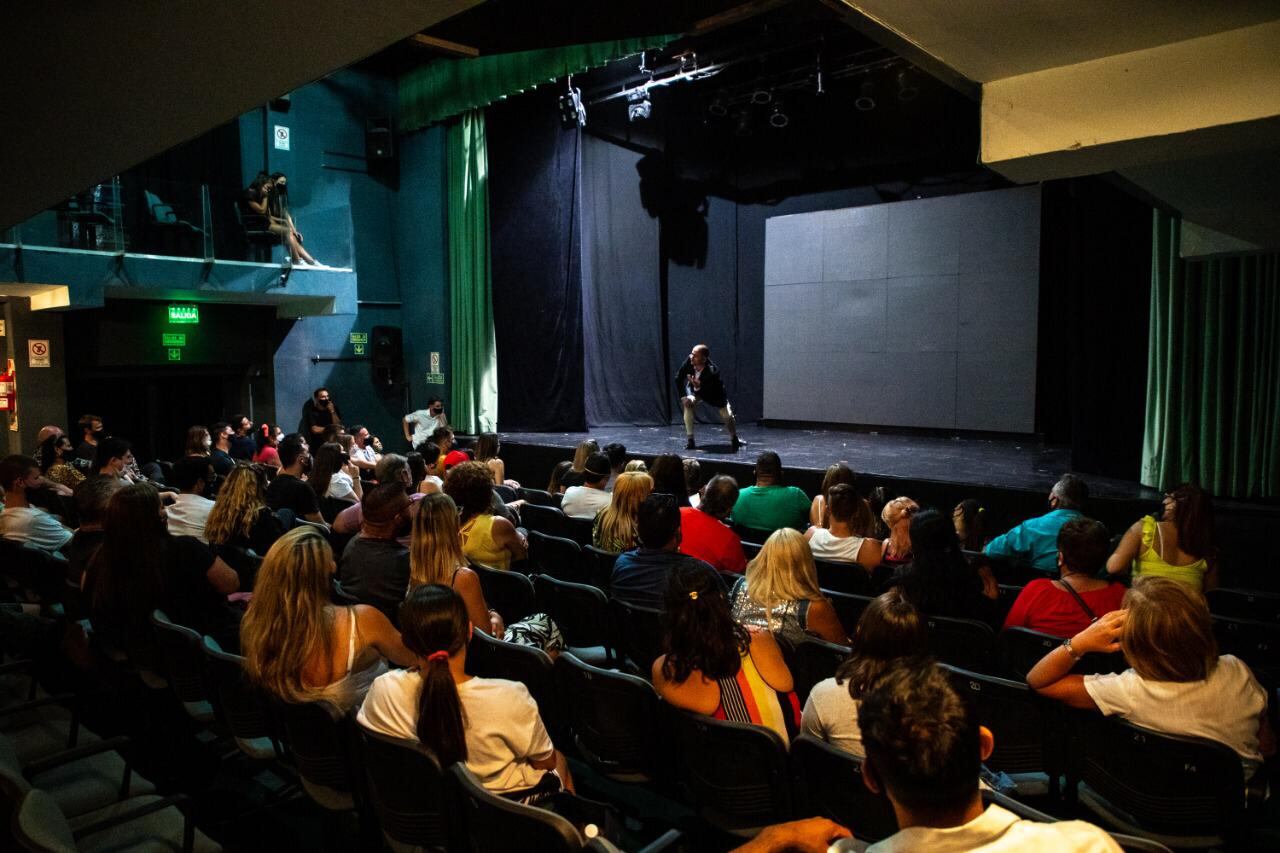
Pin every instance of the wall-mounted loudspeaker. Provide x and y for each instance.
(379, 141)
(386, 355)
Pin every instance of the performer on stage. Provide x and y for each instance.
(699, 380)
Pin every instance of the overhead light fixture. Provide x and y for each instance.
(907, 90)
(717, 108)
(866, 100)
(761, 96)
(778, 118)
(572, 111)
(639, 106)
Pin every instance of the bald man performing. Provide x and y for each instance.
(698, 380)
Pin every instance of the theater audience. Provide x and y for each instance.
(391, 468)
(417, 468)
(968, 520)
(362, 454)
(114, 459)
(268, 438)
(91, 432)
(220, 453)
(55, 457)
(556, 485)
(241, 518)
(780, 593)
(319, 413)
(640, 575)
(889, 630)
(1178, 546)
(938, 580)
(432, 482)
(140, 566)
(301, 648)
(490, 724)
(199, 442)
(617, 454)
(333, 475)
(20, 521)
(835, 475)
(667, 471)
(374, 568)
(769, 505)
(442, 438)
(586, 500)
(424, 422)
(614, 529)
(435, 557)
(573, 477)
(287, 489)
(190, 509)
(836, 541)
(1034, 542)
(636, 465)
(717, 667)
(924, 750)
(243, 446)
(47, 432)
(896, 515)
(488, 539)
(703, 531)
(1065, 607)
(92, 497)
(487, 448)
(1177, 682)
(692, 480)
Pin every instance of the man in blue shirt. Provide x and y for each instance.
(640, 575)
(1034, 542)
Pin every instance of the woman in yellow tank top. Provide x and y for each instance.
(1179, 546)
(486, 538)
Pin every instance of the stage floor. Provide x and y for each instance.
(1000, 463)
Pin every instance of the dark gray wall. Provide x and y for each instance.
(921, 313)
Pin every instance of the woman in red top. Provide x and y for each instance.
(1066, 606)
(267, 439)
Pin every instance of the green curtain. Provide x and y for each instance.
(1213, 370)
(473, 346)
(449, 87)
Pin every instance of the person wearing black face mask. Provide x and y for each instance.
(375, 566)
(21, 522)
(424, 422)
(91, 432)
(288, 491)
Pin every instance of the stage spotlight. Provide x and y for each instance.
(639, 106)
(743, 127)
(778, 117)
(717, 108)
(907, 90)
(866, 99)
(572, 111)
(761, 96)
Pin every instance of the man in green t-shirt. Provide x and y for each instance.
(769, 505)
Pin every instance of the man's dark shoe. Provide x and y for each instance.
(738, 443)
(690, 444)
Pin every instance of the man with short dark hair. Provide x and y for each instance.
(442, 438)
(424, 422)
(287, 490)
(704, 533)
(20, 521)
(91, 432)
(586, 500)
(769, 505)
(220, 453)
(640, 575)
(318, 413)
(190, 508)
(91, 497)
(242, 444)
(699, 381)
(1034, 542)
(375, 566)
(617, 454)
(114, 458)
(924, 750)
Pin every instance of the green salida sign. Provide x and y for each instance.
(184, 314)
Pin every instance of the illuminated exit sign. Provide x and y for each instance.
(171, 339)
(184, 314)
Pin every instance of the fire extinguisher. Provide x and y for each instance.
(8, 390)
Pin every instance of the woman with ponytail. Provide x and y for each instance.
(490, 724)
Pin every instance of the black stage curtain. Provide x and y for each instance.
(626, 379)
(535, 257)
(1095, 287)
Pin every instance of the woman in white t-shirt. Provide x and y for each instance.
(1178, 684)
(490, 724)
(333, 475)
(844, 536)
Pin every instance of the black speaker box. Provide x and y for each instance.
(379, 140)
(386, 356)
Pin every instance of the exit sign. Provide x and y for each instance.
(175, 354)
(359, 337)
(171, 339)
(184, 314)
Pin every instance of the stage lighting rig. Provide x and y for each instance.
(639, 106)
(573, 113)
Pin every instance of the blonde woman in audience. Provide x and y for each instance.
(301, 648)
(896, 516)
(614, 529)
(574, 476)
(780, 593)
(637, 465)
(240, 516)
(435, 557)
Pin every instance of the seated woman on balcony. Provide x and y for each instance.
(256, 201)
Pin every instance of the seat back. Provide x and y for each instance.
(409, 791)
(750, 534)
(545, 519)
(613, 717)
(40, 825)
(319, 744)
(556, 556)
(490, 822)
(1021, 649)
(848, 608)
(242, 706)
(751, 549)
(509, 593)
(539, 497)
(598, 565)
(829, 783)
(811, 660)
(637, 632)
(735, 774)
(1244, 604)
(1029, 731)
(181, 658)
(579, 529)
(581, 611)
(492, 658)
(330, 507)
(1160, 783)
(966, 643)
(1256, 643)
(844, 577)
